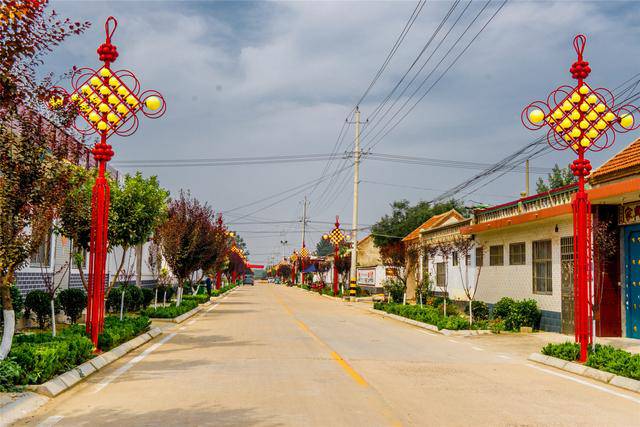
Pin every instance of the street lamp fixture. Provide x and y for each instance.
(107, 103)
(582, 119)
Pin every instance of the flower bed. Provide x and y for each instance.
(424, 314)
(36, 358)
(170, 311)
(602, 357)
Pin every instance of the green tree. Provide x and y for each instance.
(324, 248)
(556, 179)
(138, 207)
(405, 218)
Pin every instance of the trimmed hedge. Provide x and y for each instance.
(222, 290)
(199, 298)
(36, 358)
(118, 331)
(171, 311)
(603, 357)
(517, 313)
(425, 314)
(72, 301)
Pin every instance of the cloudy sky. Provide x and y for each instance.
(251, 79)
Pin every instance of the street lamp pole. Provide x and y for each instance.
(108, 101)
(336, 237)
(582, 119)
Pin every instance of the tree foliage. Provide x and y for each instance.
(556, 179)
(405, 218)
(324, 247)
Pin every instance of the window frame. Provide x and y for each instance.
(522, 257)
(536, 261)
(34, 258)
(441, 275)
(493, 262)
(455, 259)
(479, 254)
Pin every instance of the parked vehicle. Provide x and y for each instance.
(248, 280)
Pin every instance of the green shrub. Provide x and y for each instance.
(148, 295)
(566, 351)
(480, 310)
(39, 303)
(425, 314)
(72, 301)
(502, 308)
(517, 313)
(10, 373)
(118, 331)
(616, 361)
(395, 288)
(199, 298)
(162, 289)
(171, 311)
(45, 356)
(133, 298)
(17, 301)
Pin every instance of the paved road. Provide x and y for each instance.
(270, 356)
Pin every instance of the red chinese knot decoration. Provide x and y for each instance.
(336, 237)
(107, 103)
(582, 119)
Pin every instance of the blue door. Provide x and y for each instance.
(632, 280)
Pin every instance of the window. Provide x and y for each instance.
(479, 257)
(454, 259)
(42, 256)
(516, 253)
(440, 272)
(541, 252)
(496, 255)
(566, 263)
(467, 259)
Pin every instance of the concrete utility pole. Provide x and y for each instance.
(526, 173)
(304, 221)
(354, 221)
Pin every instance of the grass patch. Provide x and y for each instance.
(170, 311)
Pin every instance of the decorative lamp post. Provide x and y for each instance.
(304, 255)
(336, 237)
(293, 258)
(108, 102)
(582, 119)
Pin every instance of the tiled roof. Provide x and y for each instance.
(434, 221)
(624, 163)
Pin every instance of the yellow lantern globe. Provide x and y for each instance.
(557, 114)
(575, 132)
(592, 133)
(153, 103)
(122, 109)
(103, 108)
(113, 82)
(104, 90)
(113, 99)
(584, 107)
(113, 118)
(601, 125)
(584, 124)
(122, 91)
(102, 126)
(86, 89)
(626, 120)
(600, 108)
(105, 72)
(592, 116)
(592, 99)
(609, 117)
(95, 81)
(585, 142)
(131, 100)
(566, 123)
(575, 98)
(566, 106)
(575, 115)
(536, 116)
(94, 117)
(584, 89)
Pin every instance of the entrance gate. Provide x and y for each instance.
(632, 280)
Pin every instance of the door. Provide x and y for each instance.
(632, 280)
(566, 284)
(606, 278)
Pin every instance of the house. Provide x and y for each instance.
(449, 259)
(527, 249)
(415, 256)
(371, 270)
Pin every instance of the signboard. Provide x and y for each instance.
(629, 214)
(367, 277)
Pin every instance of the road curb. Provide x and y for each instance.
(188, 314)
(628, 384)
(21, 407)
(65, 381)
(433, 328)
(194, 311)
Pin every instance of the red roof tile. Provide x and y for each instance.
(624, 163)
(434, 221)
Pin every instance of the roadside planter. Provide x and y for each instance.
(604, 363)
(434, 328)
(191, 304)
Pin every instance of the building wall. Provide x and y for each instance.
(455, 275)
(516, 281)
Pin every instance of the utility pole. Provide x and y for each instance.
(304, 220)
(526, 173)
(353, 279)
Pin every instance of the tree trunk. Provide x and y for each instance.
(83, 278)
(155, 300)
(115, 276)
(139, 265)
(122, 303)
(164, 298)
(445, 306)
(53, 318)
(471, 312)
(8, 313)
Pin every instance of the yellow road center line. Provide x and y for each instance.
(356, 377)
